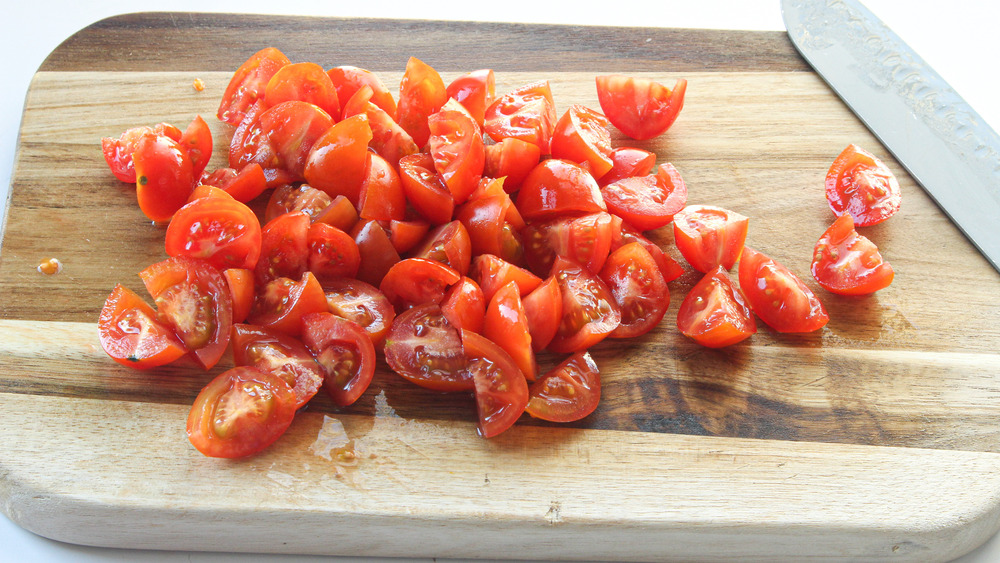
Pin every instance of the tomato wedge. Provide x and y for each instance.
(338, 160)
(847, 263)
(424, 188)
(283, 302)
(448, 244)
(241, 412)
(345, 352)
(639, 107)
(556, 188)
(465, 306)
(585, 239)
(475, 90)
(511, 159)
(456, 144)
(244, 185)
(506, 324)
(639, 289)
(241, 289)
(623, 233)
(862, 186)
(362, 304)
(715, 312)
(527, 113)
(280, 354)
(568, 392)
(290, 198)
(248, 83)
(647, 202)
(284, 248)
(421, 93)
(543, 308)
(416, 281)
(306, 82)
(347, 80)
(376, 250)
(590, 313)
(627, 162)
(332, 252)
(131, 334)
(709, 236)
(778, 296)
(492, 272)
(501, 390)
(197, 141)
(425, 349)
(220, 230)
(582, 136)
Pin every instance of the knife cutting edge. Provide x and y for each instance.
(941, 141)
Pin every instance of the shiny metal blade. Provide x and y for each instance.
(927, 126)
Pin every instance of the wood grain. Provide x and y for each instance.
(873, 438)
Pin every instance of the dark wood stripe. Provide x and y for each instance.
(220, 42)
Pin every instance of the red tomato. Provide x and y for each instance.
(627, 162)
(389, 140)
(475, 91)
(543, 308)
(490, 232)
(862, 186)
(362, 304)
(647, 202)
(292, 128)
(407, 234)
(778, 296)
(556, 188)
(241, 290)
(306, 82)
(448, 244)
(464, 305)
(421, 93)
(202, 191)
(132, 336)
(622, 233)
(381, 197)
(282, 303)
(568, 393)
(244, 185)
(118, 152)
(640, 108)
(197, 141)
(291, 198)
(581, 135)
(416, 281)
(506, 324)
(715, 313)
(492, 272)
(589, 310)
(345, 352)
(279, 354)
(847, 263)
(709, 236)
(511, 159)
(221, 230)
(284, 250)
(164, 176)
(501, 390)
(425, 349)
(456, 145)
(585, 239)
(424, 188)
(347, 80)
(239, 413)
(250, 143)
(332, 252)
(192, 297)
(248, 83)
(340, 213)
(338, 160)
(527, 113)
(376, 250)
(639, 289)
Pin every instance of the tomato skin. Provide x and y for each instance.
(376, 250)
(421, 93)
(506, 324)
(362, 304)
(590, 313)
(280, 354)
(485, 219)
(862, 186)
(407, 234)
(244, 185)
(347, 80)
(416, 281)
(192, 297)
(283, 302)
(164, 176)
(492, 272)
(332, 252)
(344, 351)
(459, 154)
(197, 141)
(778, 296)
(559, 187)
(639, 289)
(341, 213)
(511, 159)
(292, 128)
(306, 82)
(475, 90)
(248, 83)
(222, 231)
(627, 162)
(709, 236)
(501, 390)
(338, 160)
(382, 197)
(449, 244)
(425, 349)
(638, 107)
(647, 202)
(847, 263)
(239, 413)
(241, 289)
(567, 393)
(543, 309)
(284, 248)
(464, 305)
(424, 188)
(118, 152)
(715, 312)
(389, 139)
(527, 113)
(131, 334)
(585, 239)
(623, 233)
(581, 135)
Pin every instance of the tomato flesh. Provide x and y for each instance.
(506, 324)
(345, 352)
(639, 107)
(709, 236)
(221, 230)
(280, 354)
(567, 393)
(590, 313)
(425, 349)
(647, 202)
(847, 263)
(862, 186)
(501, 390)
(715, 312)
(131, 334)
(639, 289)
(362, 304)
(778, 296)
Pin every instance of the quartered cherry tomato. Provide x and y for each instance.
(347, 80)
(362, 304)
(638, 287)
(647, 202)
(332, 253)
(501, 390)
(131, 334)
(118, 152)
(511, 159)
(290, 198)
(778, 296)
(197, 141)
(847, 263)
(475, 90)
(381, 197)
(421, 93)
(248, 83)
(627, 162)
(425, 349)
(305, 82)
(581, 135)
(640, 108)
(590, 313)
(543, 308)
(279, 354)
(622, 233)
(709, 236)
(569, 392)
(585, 239)
(241, 289)
(556, 188)
(492, 272)
(448, 244)
(456, 144)
(506, 324)
(416, 281)
(389, 139)
(345, 352)
(284, 248)
(715, 312)
(376, 250)
(164, 176)
(283, 302)
(338, 160)
(862, 186)
(425, 189)
(244, 185)
(464, 305)
(527, 113)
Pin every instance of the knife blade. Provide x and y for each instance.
(927, 126)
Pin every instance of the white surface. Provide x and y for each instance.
(957, 40)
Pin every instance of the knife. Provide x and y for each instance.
(940, 140)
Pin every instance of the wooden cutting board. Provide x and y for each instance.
(876, 438)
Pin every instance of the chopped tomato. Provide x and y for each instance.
(244, 185)
(590, 313)
(862, 186)
(464, 305)
(425, 349)
(281, 304)
(647, 202)
(131, 334)
(475, 90)
(506, 324)
(627, 162)
(376, 250)
(407, 234)
(492, 272)
(338, 160)
(279, 354)
(638, 287)
(568, 392)
(778, 296)
(456, 144)
(585, 239)
(220, 230)
(421, 94)
(284, 248)
(164, 176)
(581, 135)
(424, 188)
(241, 289)
(448, 244)
(543, 308)
(416, 281)
(118, 152)
(291, 198)
(381, 197)
(292, 128)
(341, 213)
(347, 80)
(362, 304)
(847, 263)
(305, 82)
(197, 141)
(527, 113)
(639, 107)
(345, 352)
(623, 233)
(389, 139)
(558, 187)
(709, 236)
(501, 390)
(332, 252)
(488, 222)
(511, 159)
(248, 83)
(715, 312)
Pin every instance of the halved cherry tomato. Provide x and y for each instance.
(638, 287)
(581, 135)
(416, 281)
(862, 186)
(511, 159)
(590, 313)
(244, 185)
(425, 349)
(556, 188)
(425, 189)
(248, 83)
(715, 312)
(627, 162)
(492, 272)
(421, 93)
(241, 289)
(527, 113)
(506, 324)
(381, 197)
(376, 250)
(407, 234)
(456, 144)
(118, 152)
(475, 90)
(709, 236)
(448, 244)
(306, 82)
(164, 176)
(568, 392)
(274, 352)
(778, 296)
(389, 139)
(131, 334)
(220, 230)
(347, 80)
(464, 305)
(241, 412)
(192, 297)
(290, 198)
(292, 128)
(585, 239)
(543, 308)
(847, 263)
(640, 108)
(623, 233)
(647, 202)
(501, 390)
(362, 304)
(345, 352)
(281, 304)
(338, 160)
(332, 252)
(197, 141)
(284, 250)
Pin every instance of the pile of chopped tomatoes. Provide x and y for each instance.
(454, 232)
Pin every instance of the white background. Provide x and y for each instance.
(957, 38)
